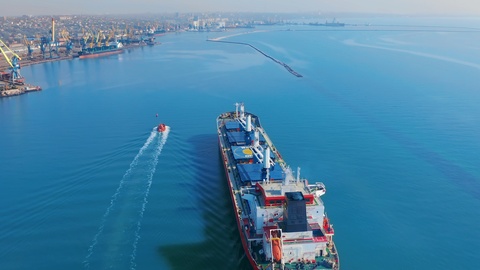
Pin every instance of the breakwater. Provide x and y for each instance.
(287, 67)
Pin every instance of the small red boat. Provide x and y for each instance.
(161, 127)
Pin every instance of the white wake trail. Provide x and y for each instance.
(133, 164)
(158, 151)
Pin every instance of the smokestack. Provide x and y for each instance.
(295, 212)
(53, 30)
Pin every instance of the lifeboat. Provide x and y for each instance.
(161, 127)
(277, 252)
(327, 227)
(326, 224)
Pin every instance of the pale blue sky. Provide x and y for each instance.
(60, 7)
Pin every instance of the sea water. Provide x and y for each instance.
(386, 115)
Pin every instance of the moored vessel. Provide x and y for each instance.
(281, 218)
(93, 52)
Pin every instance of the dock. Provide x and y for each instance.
(18, 90)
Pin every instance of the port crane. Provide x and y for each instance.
(110, 37)
(15, 76)
(98, 40)
(68, 41)
(90, 39)
(127, 35)
(44, 44)
(85, 37)
(29, 44)
(49, 42)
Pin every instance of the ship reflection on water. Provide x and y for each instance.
(221, 248)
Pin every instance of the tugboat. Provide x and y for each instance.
(281, 218)
(161, 127)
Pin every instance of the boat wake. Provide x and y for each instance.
(149, 184)
(119, 229)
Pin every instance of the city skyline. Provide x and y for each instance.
(401, 7)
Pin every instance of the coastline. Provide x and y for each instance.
(4, 66)
(28, 62)
(26, 87)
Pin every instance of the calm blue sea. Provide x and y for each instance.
(387, 115)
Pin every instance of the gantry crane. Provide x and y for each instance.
(15, 77)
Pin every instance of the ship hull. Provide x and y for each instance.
(100, 54)
(236, 210)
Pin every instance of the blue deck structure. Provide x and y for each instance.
(234, 126)
(239, 138)
(236, 138)
(255, 172)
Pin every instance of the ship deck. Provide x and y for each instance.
(238, 186)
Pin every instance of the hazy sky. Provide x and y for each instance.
(59, 7)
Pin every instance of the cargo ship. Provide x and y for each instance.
(112, 48)
(280, 217)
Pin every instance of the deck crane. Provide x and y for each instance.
(15, 76)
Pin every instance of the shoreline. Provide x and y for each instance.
(26, 87)
(4, 67)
